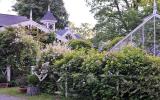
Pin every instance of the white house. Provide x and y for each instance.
(47, 25)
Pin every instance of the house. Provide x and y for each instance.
(46, 25)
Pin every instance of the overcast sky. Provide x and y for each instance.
(77, 9)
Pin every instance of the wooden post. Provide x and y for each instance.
(8, 73)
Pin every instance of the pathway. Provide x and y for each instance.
(6, 97)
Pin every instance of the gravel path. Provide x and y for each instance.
(6, 97)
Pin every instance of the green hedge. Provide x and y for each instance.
(130, 74)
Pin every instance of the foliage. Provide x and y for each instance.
(80, 69)
(18, 50)
(66, 67)
(33, 80)
(45, 38)
(21, 81)
(40, 8)
(85, 30)
(51, 38)
(117, 17)
(2, 79)
(48, 85)
(53, 52)
(131, 74)
(50, 54)
(79, 44)
(128, 74)
(110, 43)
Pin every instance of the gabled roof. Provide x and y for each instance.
(67, 30)
(62, 32)
(77, 36)
(48, 16)
(6, 20)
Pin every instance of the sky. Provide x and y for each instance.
(77, 9)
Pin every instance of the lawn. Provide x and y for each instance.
(14, 92)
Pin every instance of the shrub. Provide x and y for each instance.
(33, 80)
(69, 67)
(79, 44)
(18, 50)
(50, 38)
(52, 53)
(131, 74)
(2, 79)
(48, 85)
(80, 67)
(93, 61)
(21, 81)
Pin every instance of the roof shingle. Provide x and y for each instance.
(48, 16)
(6, 20)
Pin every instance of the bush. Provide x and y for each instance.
(33, 80)
(2, 79)
(21, 81)
(81, 68)
(132, 75)
(19, 50)
(79, 44)
(50, 38)
(48, 85)
(69, 67)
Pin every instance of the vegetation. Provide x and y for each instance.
(78, 70)
(85, 30)
(18, 50)
(33, 80)
(120, 75)
(106, 46)
(78, 44)
(2, 78)
(118, 17)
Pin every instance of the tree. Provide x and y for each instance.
(118, 17)
(18, 49)
(40, 7)
(85, 30)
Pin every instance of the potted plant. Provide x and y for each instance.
(22, 83)
(33, 88)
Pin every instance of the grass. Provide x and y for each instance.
(14, 92)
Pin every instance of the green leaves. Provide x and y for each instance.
(17, 48)
(131, 73)
(79, 44)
